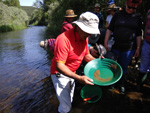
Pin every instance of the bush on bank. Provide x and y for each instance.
(12, 18)
(38, 17)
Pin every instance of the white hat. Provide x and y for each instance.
(44, 44)
(97, 5)
(88, 22)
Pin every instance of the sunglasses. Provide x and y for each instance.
(130, 7)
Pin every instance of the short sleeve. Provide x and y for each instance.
(61, 49)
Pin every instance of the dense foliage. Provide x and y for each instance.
(51, 12)
(29, 10)
(15, 3)
(12, 18)
(56, 11)
(38, 17)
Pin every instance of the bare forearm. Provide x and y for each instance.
(62, 68)
(137, 52)
(139, 42)
(108, 32)
(88, 58)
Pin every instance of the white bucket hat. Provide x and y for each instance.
(88, 22)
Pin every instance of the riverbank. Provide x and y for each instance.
(12, 18)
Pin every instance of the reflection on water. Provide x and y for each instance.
(25, 84)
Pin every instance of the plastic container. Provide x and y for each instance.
(91, 94)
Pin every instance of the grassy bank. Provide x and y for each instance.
(12, 18)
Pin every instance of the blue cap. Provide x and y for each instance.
(111, 2)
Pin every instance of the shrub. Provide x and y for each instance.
(12, 18)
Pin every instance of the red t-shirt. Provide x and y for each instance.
(66, 26)
(70, 50)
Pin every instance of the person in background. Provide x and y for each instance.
(145, 55)
(48, 43)
(71, 47)
(126, 26)
(97, 11)
(69, 17)
(111, 10)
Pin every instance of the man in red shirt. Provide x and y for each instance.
(71, 47)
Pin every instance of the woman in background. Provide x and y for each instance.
(126, 26)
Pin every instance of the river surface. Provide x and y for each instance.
(24, 72)
(26, 87)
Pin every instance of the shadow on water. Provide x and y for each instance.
(26, 87)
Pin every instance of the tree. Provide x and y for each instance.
(38, 4)
(15, 3)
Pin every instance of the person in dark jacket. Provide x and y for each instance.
(126, 26)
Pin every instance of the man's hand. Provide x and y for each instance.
(93, 52)
(85, 80)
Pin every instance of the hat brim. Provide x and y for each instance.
(87, 29)
(110, 9)
(69, 16)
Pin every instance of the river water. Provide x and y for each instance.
(26, 87)
(24, 72)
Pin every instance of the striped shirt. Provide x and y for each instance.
(51, 43)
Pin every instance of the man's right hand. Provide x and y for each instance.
(85, 80)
